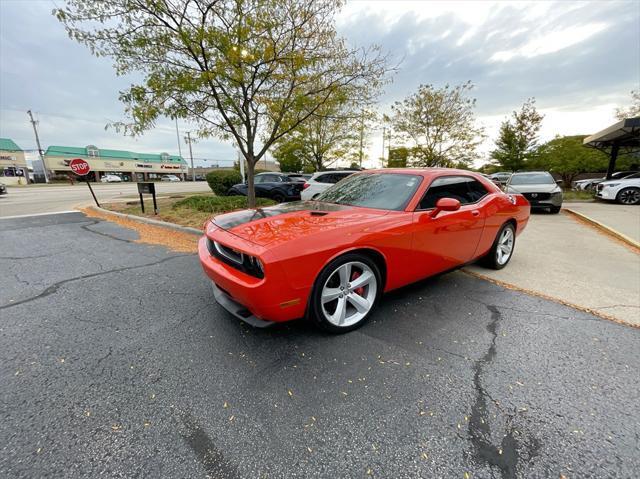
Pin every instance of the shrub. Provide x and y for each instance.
(221, 180)
(219, 204)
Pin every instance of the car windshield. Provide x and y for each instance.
(386, 191)
(532, 179)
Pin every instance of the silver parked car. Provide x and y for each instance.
(538, 187)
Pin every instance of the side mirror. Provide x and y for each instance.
(445, 204)
(559, 182)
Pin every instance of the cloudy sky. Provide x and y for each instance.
(578, 59)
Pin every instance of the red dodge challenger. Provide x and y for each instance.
(331, 259)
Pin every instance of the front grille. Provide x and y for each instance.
(235, 259)
(537, 196)
(600, 187)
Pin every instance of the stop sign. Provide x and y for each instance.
(79, 166)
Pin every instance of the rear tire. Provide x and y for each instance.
(502, 249)
(278, 197)
(629, 196)
(345, 293)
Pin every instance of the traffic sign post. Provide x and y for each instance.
(81, 168)
(149, 189)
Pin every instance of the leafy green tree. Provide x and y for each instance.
(250, 71)
(518, 138)
(567, 156)
(337, 131)
(441, 124)
(633, 109)
(289, 156)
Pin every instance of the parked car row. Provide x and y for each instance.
(118, 179)
(624, 190)
(591, 183)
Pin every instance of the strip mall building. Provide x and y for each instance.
(13, 166)
(128, 165)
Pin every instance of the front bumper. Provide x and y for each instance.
(606, 193)
(543, 202)
(254, 300)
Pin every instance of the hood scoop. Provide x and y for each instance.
(318, 213)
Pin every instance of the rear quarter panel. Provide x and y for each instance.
(498, 210)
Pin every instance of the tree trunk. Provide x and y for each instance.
(251, 191)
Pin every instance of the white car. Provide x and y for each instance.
(625, 190)
(322, 180)
(170, 178)
(111, 179)
(591, 183)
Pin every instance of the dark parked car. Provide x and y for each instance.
(296, 177)
(276, 186)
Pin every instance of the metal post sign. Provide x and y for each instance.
(81, 168)
(148, 189)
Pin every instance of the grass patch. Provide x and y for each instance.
(569, 195)
(219, 204)
(191, 211)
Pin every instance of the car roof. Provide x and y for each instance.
(333, 171)
(426, 172)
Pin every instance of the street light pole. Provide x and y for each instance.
(193, 171)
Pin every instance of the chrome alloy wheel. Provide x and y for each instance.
(505, 246)
(629, 196)
(349, 294)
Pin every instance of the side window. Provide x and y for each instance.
(462, 188)
(476, 190)
(258, 179)
(341, 176)
(325, 178)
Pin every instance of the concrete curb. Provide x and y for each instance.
(141, 219)
(538, 294)
(606, 229)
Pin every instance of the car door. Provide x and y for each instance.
(265, 183)
(450, 238)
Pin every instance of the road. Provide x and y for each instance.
(35, 199)
(116, 361)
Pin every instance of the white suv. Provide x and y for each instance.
(625, 191)
(170, 178)
(322, 180)
(110, 179)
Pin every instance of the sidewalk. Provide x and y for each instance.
(559, 257)
(622, 218)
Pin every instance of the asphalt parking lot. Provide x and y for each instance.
(116, 361)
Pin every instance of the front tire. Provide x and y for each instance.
(629, 196)
(345, 293)
(502, 250)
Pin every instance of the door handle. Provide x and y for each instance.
(475, 213)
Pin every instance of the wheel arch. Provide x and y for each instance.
(376, 256)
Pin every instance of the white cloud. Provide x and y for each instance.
(550, 42)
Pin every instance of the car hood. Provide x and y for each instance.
(275, 224)
(542, 188)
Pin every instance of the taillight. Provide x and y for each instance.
(305, 186)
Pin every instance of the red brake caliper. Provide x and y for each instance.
(359, 291)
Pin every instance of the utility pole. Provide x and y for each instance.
(35, 130)
(193, 172)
